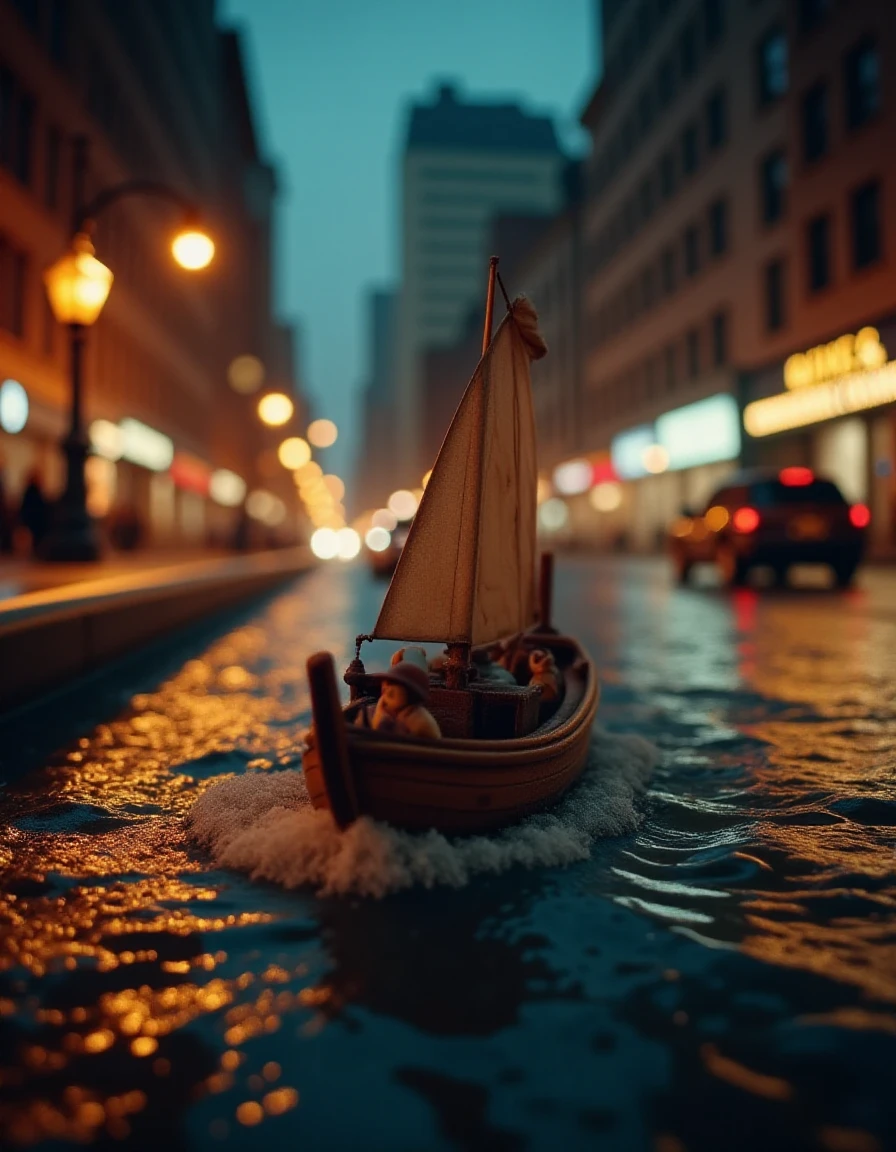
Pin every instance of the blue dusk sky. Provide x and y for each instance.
(332, 80)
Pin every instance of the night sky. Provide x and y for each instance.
(332, 79)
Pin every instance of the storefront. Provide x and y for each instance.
(832, 408)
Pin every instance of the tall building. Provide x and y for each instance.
(158, 93)
(741, 211)
(463, 164)
(374, 467)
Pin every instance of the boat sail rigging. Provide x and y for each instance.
(467, 570)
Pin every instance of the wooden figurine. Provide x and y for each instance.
(545, 675)
(401, 708)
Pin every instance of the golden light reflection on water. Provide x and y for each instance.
(99, 879)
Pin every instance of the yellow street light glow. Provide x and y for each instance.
(606, 496)
(107, 439)
(402, 504)
(425, 479)
(245, 374)
(193, 249)
(809, 405)
(294, 452)
(335, 486)
(383, 518)
(378, 539)
(322, 433)
(275, 409)
(543, 490)
(716, 518)
(324, 543)
(349, 543)
(78, 284)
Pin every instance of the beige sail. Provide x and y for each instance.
(467, 571)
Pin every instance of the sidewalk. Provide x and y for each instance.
(58, 621)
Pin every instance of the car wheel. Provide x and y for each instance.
(732, 568)
(844, 574)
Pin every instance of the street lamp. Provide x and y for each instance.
(77, 287)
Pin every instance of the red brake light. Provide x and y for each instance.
(859, 516)
(745, 520)
(796, 477)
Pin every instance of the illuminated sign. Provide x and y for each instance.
(849, 353)
(190, 473)
(13, 407)
(627, 451)
(145, 446)
(702, 433)
(852, 393)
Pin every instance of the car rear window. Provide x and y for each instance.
(772, 493)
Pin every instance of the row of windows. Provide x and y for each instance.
(657, 95)
(866, 249)
(675, 165)
(861, 100)
(699, 349)
(660, 277)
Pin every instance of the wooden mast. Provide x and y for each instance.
(457, 664)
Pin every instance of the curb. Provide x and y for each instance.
(52, 636)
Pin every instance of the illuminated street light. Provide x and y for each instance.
(402, 504)
(275, 409)
(322, 433)
(334, 486)
(77, 288)
(294, 452)
(193, 249)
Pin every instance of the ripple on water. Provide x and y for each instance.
(265, 825)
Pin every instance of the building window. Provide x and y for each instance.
(718, 227)
(812, 12)
(866, 236)
(713, 21)
(862, 84)
(774, 186)
(670, 366)
(692, 343)
(716, 120)
(719, 332)
(51, 166)
(667, 175)
(687, 49)
(13, 275)
(691, 250)
(667, 270)
(819, 247)
(774, 75)
(16, 127)
(689, 150)
(774, 295)
(815, 122)
(666, 81)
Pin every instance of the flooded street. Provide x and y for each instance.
(723, 976)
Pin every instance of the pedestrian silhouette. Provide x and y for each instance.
(34, 511)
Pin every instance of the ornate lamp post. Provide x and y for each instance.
(77, 286)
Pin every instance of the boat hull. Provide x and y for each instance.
(456, 785)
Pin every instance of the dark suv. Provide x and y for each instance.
(772, 518)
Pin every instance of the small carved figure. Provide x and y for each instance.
(401, 707)
(411, 655)
(545, 674)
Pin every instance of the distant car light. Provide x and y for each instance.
(796, 477)
(859, 516)
(745, 520)
(716, 518)
(378, 539)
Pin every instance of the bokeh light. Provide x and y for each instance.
(294, 452)
(553, 514)
(383, 518)
(335, 486)
(322, 433)
(349, 543)
(275, 409)
(378, 539)
(605, 497)
(245, 374)
(193, 249)
(325, 543)
(403, 504)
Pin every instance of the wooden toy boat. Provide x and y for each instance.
(466, 578)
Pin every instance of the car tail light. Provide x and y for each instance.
(796, 477)
(859, 516)
(745, 520)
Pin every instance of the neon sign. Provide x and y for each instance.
(849, 353)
